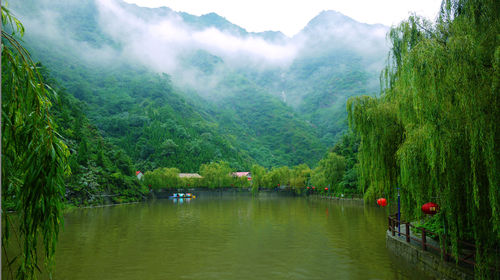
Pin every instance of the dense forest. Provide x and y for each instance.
(335, 171)
(433, 133)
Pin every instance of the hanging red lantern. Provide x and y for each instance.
(326, 189)
(308, 187)
(430, 208)
(382, 202)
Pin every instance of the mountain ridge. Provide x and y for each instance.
(244, 86)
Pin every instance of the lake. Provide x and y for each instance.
(230, 236)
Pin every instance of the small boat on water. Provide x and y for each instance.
(182, 195)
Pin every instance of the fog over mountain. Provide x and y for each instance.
(162, 39)
(246, 79)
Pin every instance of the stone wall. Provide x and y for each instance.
(429, 263)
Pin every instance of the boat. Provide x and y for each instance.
(181, 195)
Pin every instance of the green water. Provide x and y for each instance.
(228, 237)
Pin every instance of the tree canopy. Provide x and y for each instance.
(434, 130)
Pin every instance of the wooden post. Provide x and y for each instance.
(443, 249)
(392, 227)
(424, 240)
(408, 232)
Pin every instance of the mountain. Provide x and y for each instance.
(177, 90)
(338, 58)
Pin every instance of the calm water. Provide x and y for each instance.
(228, 237)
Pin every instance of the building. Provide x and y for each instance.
(242, 174)
(139, 175)
(190, 175)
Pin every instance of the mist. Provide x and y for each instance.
(163, 42)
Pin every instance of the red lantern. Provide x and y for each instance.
(326, 189)
(382, 202)
(430, 208)
(308, 187)
(313, 188)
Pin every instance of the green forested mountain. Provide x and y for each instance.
(164, 87)
(100, 171)
(338, 58)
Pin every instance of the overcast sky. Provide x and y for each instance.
(290, 16)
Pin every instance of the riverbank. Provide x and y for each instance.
(166, 193)
(425, 261)
(429, 251)
(346, 197)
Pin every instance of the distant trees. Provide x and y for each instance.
(240, 182)
(162, 178)
(276, 177)
(258, 173)
(329, 172)
(299, 177)
(338, 169)
(216, 174)
(347, 147)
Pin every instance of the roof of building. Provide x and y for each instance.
(241, 174)
(137, 172)
(189, 175)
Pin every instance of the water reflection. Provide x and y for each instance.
(181, 200)
(228, 237)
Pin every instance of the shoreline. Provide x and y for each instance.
(161, 196)
(165, 193)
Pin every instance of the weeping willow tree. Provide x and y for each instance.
(434, 131)
(33, 158)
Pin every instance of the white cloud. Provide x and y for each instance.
(46, 28)
(165, 43)
(161, 43)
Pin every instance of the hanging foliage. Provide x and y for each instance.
(434, 130)
(33, 157)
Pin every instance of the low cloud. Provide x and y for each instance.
(162, 42)
(45, 28)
